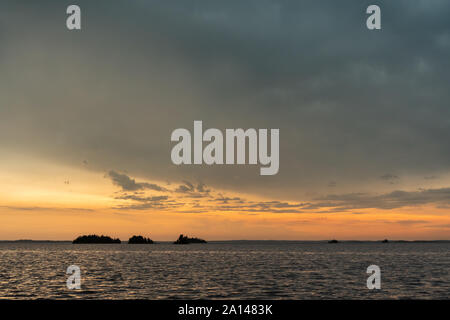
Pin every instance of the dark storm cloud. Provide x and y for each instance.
(128, 184)
(391, 200)
(142, 199)
(198, 191)
(226, 200)
(186, 187)
(142, 202)
(351, 104)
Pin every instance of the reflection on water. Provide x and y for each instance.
(225, 270)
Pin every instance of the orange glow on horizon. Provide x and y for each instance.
(53, 202)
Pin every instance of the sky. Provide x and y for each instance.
(86, 118)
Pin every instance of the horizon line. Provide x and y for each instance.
(229, 240)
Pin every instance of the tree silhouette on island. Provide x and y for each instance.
(182, 239)
(139, 240)
(93, 238)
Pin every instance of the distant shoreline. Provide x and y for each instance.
(248, 241)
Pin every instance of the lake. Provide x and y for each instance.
(226, 270)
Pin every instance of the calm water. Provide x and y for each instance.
(226, 270)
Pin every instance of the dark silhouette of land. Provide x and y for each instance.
(139, 240)
(186, 240)
(93, 238)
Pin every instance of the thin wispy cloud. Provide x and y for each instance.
(128, 184)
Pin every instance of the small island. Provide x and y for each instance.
(182, 239)
(93, 238)
(333, 241)
(139, 240)
(385, 241)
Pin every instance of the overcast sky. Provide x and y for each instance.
(359, 111)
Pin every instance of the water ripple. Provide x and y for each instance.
(229, 270)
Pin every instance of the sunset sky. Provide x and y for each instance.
(86, 118)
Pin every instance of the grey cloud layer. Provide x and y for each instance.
(186, 195)
(391, 200)
(128, 184)
(351, 104)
